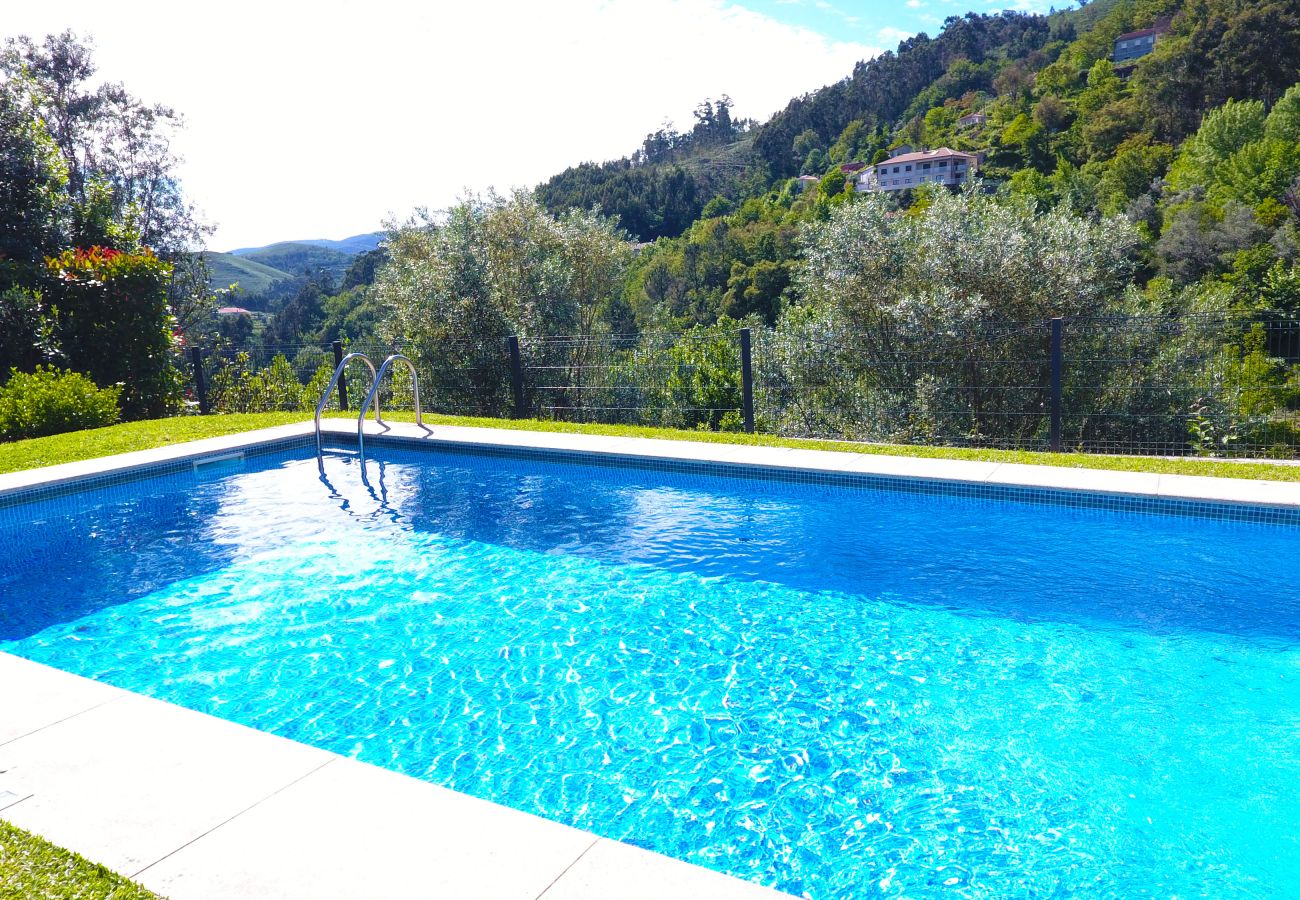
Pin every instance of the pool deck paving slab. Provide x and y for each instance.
(43, 701)
(194, 806)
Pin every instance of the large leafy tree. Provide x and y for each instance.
(34, 219)
(456, 285)
(115, 147)
(965, 259)
(121, 186)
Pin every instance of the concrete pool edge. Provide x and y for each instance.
(1148, 485)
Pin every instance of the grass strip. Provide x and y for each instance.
(48, 451)
(33, 867)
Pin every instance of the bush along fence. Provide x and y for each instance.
(1208, 385)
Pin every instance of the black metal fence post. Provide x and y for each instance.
(747, 380)
(517, 377)
(343, 378)
(1054, 430)
(200, 380)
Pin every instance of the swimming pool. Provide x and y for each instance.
(828, 686)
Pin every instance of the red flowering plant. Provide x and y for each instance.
(115, 325)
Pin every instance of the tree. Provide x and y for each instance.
(88, 194)
(108, 137)
(1196, 241)
(1110, 126)
(1223, 132)
(456, 286)
(34, 213)
(1130, 174)
(1002, 261)
(1051, 113)
(933, 313)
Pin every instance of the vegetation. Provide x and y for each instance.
(252, 279)
(1161, 192)
(94, 268)
(492, 267)
(128, 437)
(48, 401)
(131, 436)
(33, 867)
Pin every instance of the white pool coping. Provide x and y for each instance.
(195, 806)
(1196, 488)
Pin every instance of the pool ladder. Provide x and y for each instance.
(376, 378)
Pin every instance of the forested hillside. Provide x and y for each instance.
(1059, 123)
(664, 186)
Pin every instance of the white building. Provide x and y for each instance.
(910, 170)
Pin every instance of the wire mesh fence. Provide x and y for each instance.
(676, 380)
(1205, 385)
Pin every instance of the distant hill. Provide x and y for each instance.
(299, 259)
(358, 243)
(252, 276)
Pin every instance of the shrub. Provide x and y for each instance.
(239, 386)
(48, 401)
(114, 324)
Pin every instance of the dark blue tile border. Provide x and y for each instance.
(1058, 497)
(37, 492)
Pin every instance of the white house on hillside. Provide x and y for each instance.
(909, 170)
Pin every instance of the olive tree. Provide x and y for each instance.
(457, 284)
(944, 307)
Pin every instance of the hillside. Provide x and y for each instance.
(1193, 146)
(358, 243)
(252, 276)
(300, 258)
(667, 183)
(1051, 95)
(268, 276)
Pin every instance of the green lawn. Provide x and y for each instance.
(31, 867)
(60, 448)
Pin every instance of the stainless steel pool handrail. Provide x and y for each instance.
(325, 397)
(374, 396)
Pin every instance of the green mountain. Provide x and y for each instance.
(1196, 143)
(252, 276)
(299, 258)
(358, 243)
(1054, 103)
(268, 275)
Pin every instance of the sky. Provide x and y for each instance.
(325, 119)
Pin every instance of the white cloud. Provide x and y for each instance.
(320, 119)
(892, 36)
(1025, 6)
(915, 4)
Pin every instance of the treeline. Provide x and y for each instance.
(969, 55)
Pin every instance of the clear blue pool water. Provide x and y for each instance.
(839, 692)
